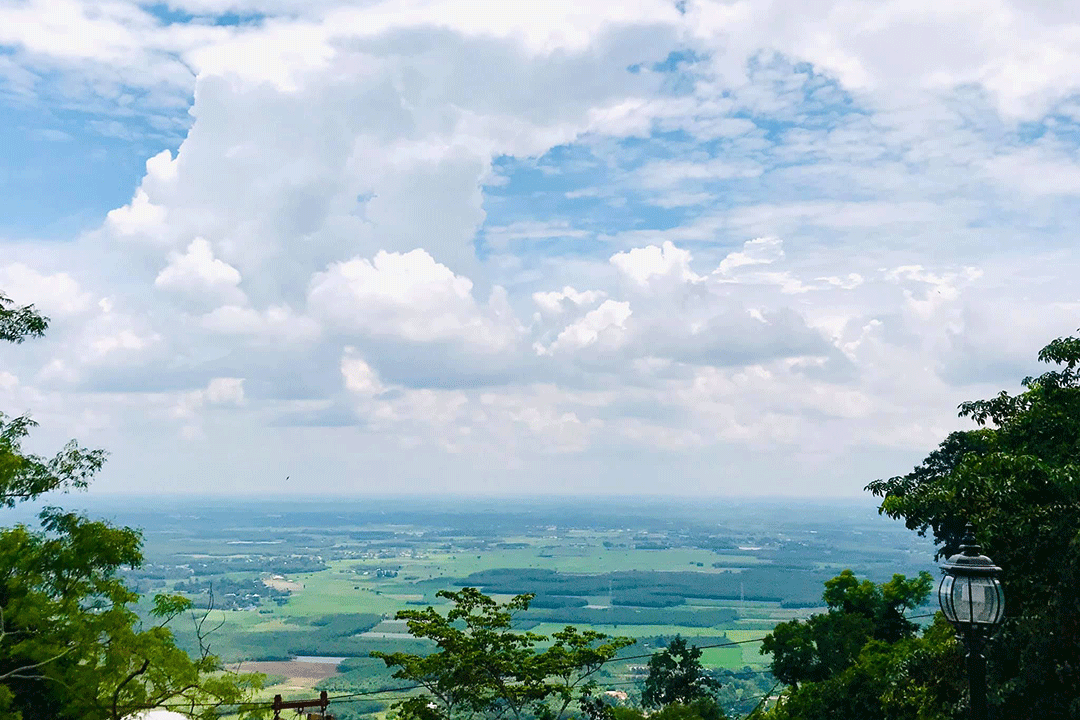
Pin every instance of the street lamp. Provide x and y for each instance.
(972, 600)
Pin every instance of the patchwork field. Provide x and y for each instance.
(325, 581)
(294, 674)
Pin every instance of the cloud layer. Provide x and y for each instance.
(693, 247)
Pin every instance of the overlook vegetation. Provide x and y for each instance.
(1017, 478)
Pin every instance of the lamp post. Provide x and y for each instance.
(972, 600)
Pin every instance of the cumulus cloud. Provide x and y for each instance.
(556, 302)
(359, 376)
(410, 296)
(606, 324)
(53, 293)
(190, 407)
(760, 251)
(276, 324)
(196, 273)
(650, 266)
(140, 218)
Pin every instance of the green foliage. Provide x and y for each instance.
(71, 646)
(917, 678)
(883, 605)
(863, 659)
(1017, 479)
(676, 676)
(26, 477)
(704, 708)
(858, 612)
(483, 668)
(18, 323)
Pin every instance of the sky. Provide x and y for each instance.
(495, 247)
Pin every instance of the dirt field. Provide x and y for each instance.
(300, 675)
(279, 583)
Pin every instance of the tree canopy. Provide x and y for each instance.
(17, 323)
(677, 676)
(702, 708)
(862, 659)
(71, 642)
(858, 612)
(1016, 477)
(483, 668)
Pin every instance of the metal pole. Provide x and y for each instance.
(976, 668)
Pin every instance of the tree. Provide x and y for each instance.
(704, 708)
(18, 323)
(71, 644)
(483, 668)
(916, 678)
(858, 612)
(676, 676)
(1017, 478)
(24, 476)
(863, 659)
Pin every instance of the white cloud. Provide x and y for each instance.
(850, 282)
(651, 265)
(937, 289)
(359, 377)
(198, 274)
(410, 296)
(605, 324)
(662, 174)
(190, 406)
(276, 324)
(761, 251)
(558, 301)
(501, 236)
(1037, 171)
(56, 294)
(140, 218)
(120, 341)
(353, 225)
(161, 169)
(225, 391)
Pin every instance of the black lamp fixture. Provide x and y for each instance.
(972, 600)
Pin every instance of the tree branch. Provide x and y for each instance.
(116, 695)
(16, 673)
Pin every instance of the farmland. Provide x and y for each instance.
(305, 591)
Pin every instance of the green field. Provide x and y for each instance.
(340, 573)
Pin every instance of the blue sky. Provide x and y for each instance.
(442, 246)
